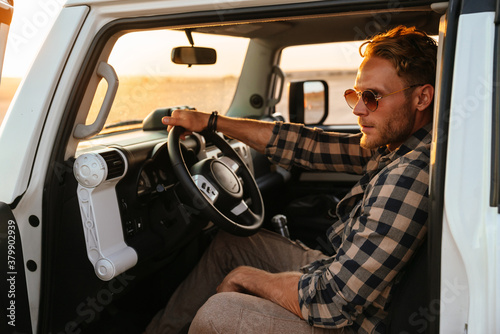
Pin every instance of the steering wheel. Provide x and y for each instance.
(223, 189)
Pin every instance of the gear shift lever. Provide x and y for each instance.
(279, 223)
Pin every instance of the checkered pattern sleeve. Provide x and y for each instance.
(295, 144)
(380, 235)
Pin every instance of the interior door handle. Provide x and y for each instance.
(107, 72)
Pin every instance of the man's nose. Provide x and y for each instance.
(360, 109)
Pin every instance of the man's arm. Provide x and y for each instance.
(280, 288)
(293, 144)
(254, 133)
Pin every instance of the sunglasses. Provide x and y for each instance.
(370, 99)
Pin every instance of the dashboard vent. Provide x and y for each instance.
(115, 162)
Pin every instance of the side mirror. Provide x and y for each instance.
(308, 102)
(193, 55)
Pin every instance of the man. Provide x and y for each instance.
(268, 284)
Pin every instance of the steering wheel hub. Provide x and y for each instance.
(226, 178)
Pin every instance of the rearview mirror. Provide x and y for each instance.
(308, 102)
(193, 55)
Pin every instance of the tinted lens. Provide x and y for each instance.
(369, 100)
(351, 97)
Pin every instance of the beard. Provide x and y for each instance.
(395, 131)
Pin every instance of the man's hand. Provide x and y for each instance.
(191, 120)
(251, 132)
(281, 288)
(233, 281)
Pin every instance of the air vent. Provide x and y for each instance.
(115, 163)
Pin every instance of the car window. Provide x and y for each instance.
(335, 63)
(149, 80)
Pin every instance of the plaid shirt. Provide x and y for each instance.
(382, 222)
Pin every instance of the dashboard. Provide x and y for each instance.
(140, 210)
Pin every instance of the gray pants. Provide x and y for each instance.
(235, 312)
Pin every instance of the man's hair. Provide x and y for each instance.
(412, 52)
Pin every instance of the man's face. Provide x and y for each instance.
(394, 119)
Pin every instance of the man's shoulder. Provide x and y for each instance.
(411, 163)
(417, 150)
(420, 156)
(405, 172)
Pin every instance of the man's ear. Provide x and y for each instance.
(425, 97)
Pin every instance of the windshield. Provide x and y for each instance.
(149, 80)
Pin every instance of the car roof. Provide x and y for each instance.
(338, 21)
(334, 27)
